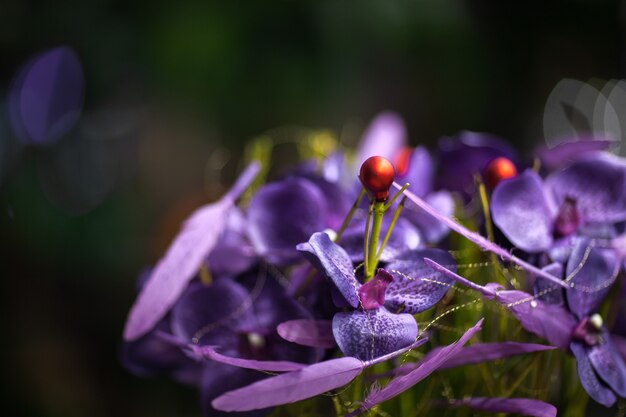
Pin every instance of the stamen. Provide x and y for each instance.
(396, 215)
(350, 214)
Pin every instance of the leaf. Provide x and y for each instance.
(199, 235)
(402, 383)
(478, 239)
(313, 333)
(522, 406)
(291, 387)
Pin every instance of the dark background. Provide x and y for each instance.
(176, 89)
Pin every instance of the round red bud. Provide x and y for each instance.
(499, 169)
(377, 175)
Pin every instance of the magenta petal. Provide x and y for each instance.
(313, 333)
(385, 136)
(369, 334)
(521, 211)
(597, 184)
(372, 293)
(332, 260)
(588, 379)
(521, 406)
(608, 364)
(400, 384)
(291, 387)
(416, 287)
(594, 270)
(198, 237)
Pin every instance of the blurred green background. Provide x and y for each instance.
(173, 92)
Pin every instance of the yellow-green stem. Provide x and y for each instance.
(346, 221)
(377, 222)
(391, 226)
(366, 241)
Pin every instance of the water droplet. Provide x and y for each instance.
(533, 304)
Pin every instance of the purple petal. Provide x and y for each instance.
(478, 239)
(566, 152)
(416, 287)
(234, 254)
(432, 229)
(594, 270)
(608, 364)
(420, 172)
(313, 333)
(522, 406)
(208, 352)
(283, 214)
(173, 272)
(213, 314)
(47, 96)
(597, 184)
(291, 387)
(218, 379)
(620, 345)
(461, 280)
(400, 384)
(588, 379)
(333, 260)
(551, 322)
(385, 136)
(404, 237)
(372, 293)
(546, 291)
(369, 334)
(521, 211)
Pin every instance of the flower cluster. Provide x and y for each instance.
(339, 271)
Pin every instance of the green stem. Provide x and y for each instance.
(366, 241)
(346, 221)
(391, 226)
(379, 211)
(396, 195)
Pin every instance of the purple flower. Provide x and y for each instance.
(382, 320)
(587, 198)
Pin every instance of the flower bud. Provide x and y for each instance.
(377, 175)
(499, 169)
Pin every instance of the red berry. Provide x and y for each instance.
(499, 169)
(377, 175)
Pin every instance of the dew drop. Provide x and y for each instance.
(533, 303)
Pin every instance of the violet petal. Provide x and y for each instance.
(416, 286)
(608, 364)
(198, 237)
(597, 183)
(291, 387)
(385, 136)
(593, 270)
(313, 333)
(590, 382)
(283, 214)
(369, 334)
(521, 406)
(333, 260)
(521, 211)
(432, 230)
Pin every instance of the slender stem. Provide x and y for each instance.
(484, 202)
(367, 238)
(379, 211)
(346, 221)
(396, 215)
(396, 195)
(205, 275)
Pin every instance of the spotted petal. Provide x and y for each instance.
(416, 286)
(593, 270)
(372, 333)
(333, 260)
(521, 211)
